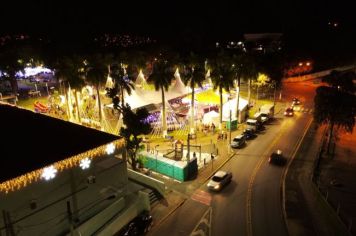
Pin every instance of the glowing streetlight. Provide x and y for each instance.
(110, 148)
(85, 163)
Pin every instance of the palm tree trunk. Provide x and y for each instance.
(164, 119)
(68, 109)
(78, 107)
(238, 99)
(221, 107)
(13, 83)
(256, 95)
(249, 92)
(99, 102)
(192, 108)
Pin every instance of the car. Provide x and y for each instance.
(238, 141)
(296, 101)
(140, 225)
(219, 180)
(276, 158)
(289, 111)
(249, 133)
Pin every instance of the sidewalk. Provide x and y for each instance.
(178, 193)
(307, 211)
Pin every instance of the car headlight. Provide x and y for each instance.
(217, 187)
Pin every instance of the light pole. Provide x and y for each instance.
(156, 153)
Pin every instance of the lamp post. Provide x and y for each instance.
(156, 153)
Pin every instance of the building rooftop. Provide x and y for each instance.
(30, 141)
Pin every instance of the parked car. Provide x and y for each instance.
(249, 133)
(238, 141)
(289, 111)
(276, 158)
(140, 225)
(219, 180)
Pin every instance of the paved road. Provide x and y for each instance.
(252, 203)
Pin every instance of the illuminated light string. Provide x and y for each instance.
(34, 176)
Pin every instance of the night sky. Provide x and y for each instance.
(174, 19)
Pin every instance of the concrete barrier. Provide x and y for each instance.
(316, 75)
(148, 181)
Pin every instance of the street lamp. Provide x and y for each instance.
(156, 153)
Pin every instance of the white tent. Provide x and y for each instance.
(211, 117)
(231, 105)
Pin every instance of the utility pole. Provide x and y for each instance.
(230, 129)
(188, 149)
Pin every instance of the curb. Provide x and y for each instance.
(227, 159)
(171, 212)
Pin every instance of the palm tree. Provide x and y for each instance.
(13, 59)
(222, 75)
(244, 68)
(161, 77)
(97, 73)
(68, 69)
(193, 75)
(123, 80)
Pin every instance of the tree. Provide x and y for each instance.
(341, 80)
(193, 74)
(222, 75)
(13, 58)
(97, 73)
(135, 126)
(244, 67)
(123, 80)
(161, 77)
(335, 108)
(68, 69)
(262, 80)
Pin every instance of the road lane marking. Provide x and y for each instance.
(252, 180)
(204, 226)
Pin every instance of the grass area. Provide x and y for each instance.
(27, 103)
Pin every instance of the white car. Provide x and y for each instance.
(219, 180)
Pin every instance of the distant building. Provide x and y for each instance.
(57, 177)
(264, 42)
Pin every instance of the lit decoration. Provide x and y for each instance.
(49, 173)
(85, 163)
(34, 176)
(110, 148)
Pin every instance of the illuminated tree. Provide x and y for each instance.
(97, 73)
(193, 74)
(161, 77)
(262, 80)
(222, 75)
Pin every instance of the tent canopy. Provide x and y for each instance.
(231, 105)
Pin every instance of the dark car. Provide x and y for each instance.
(238, 141)
(249, 133)
(296, 101)
(289, 111)
(140, 225)
(276, 158)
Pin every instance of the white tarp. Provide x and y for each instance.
(211, 117)
(231, 105)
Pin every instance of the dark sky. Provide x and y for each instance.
(171, 18)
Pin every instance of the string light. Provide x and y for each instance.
(34, 176)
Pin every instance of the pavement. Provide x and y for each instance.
(309, 209)
(179, 192)
(307, 212)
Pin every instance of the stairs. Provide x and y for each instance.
(154, 197)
